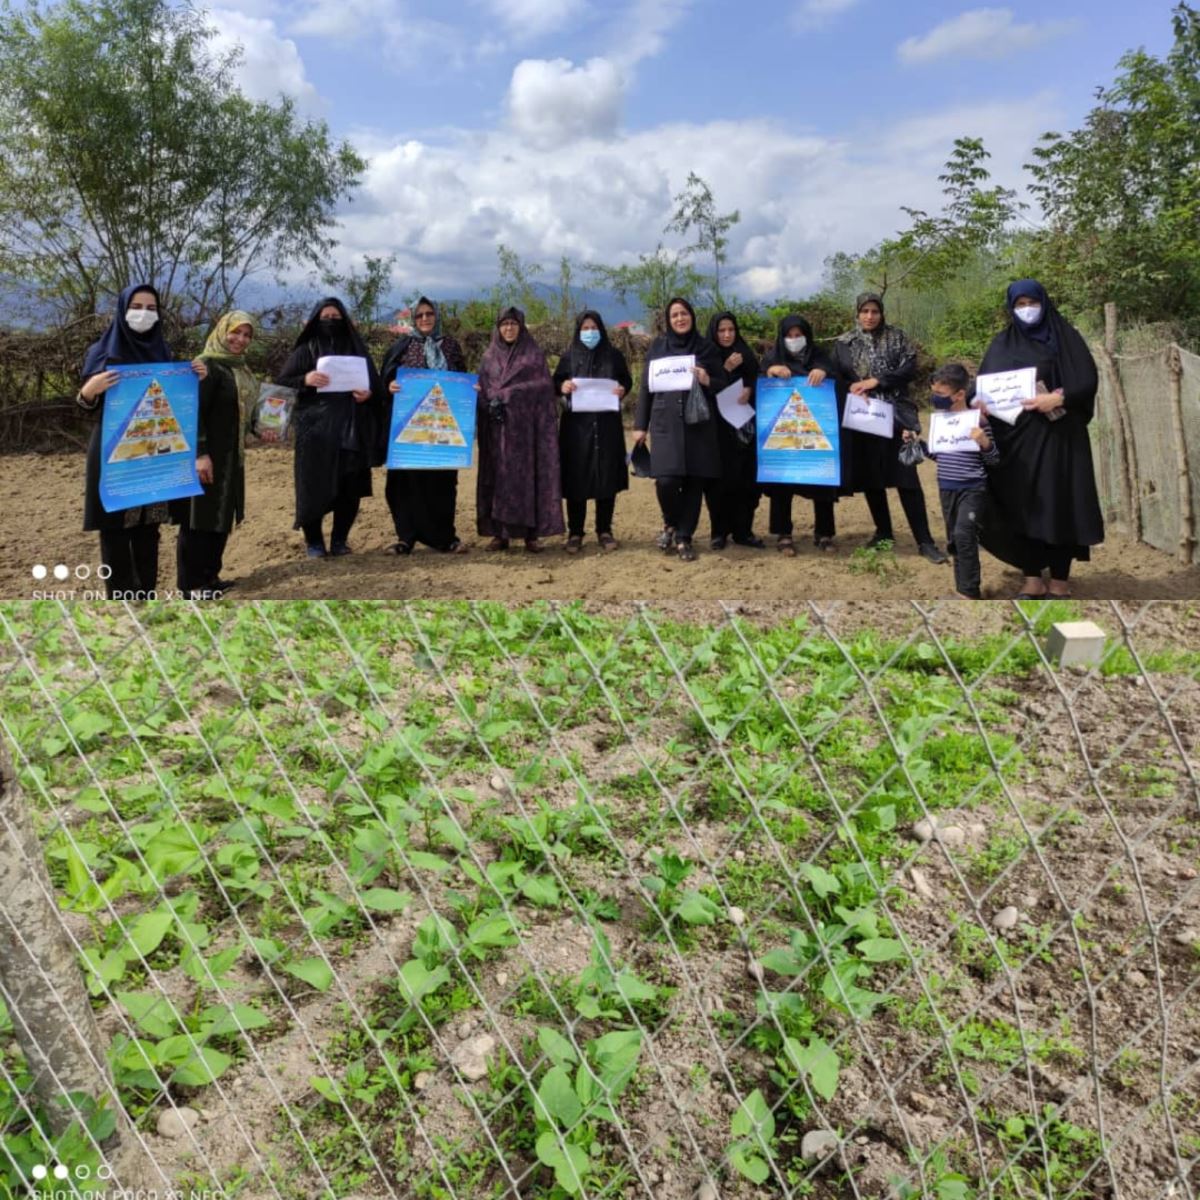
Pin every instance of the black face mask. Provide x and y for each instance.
(941, 403)
(330, 328)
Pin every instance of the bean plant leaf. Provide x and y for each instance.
(558, 1098)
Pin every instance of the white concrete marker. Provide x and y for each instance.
(1076, 644)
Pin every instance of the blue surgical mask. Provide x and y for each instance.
(590, 338)
(1031, 315)
(941, 403)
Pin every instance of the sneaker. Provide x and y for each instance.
(339, 549)
(317, 550)
(932, 553)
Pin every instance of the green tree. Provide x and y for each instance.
(1122, 193)
(654, 279)
(128, 153)
(518, 285)
(696, 214)
(366, 291)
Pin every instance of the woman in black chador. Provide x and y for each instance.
(1048, 511)
(592, 445)
(337, 438)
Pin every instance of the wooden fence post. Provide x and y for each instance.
(1187, 512)
(1130, 480)
(48, 1002)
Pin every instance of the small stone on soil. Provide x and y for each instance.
(736, 916)
(421, 1081)
(1136, 978)
(921, 884)
(953, 836)
(497, 783)
(176, 1122)
(1007, 918)
(924, 829)
(818, 1144)
(471, 1056)
(1187, 937)
(755, 970)
(707, 1191)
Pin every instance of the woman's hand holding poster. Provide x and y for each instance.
(798, 435)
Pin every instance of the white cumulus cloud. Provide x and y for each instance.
(980, 33)
(270, 64)
(552, 101)
(811, 14)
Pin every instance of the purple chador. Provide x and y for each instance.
(519, 493)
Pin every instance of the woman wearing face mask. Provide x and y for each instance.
(733, 498)
(336, 433)
(683, 457)
(879, 360)
(128, 537)
(422, 503)
(518, 492)
(592, 443)
(226, 408)
(1046, 483)
(795, 356)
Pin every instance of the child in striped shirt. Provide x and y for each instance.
(963, 481)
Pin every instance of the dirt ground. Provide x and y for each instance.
(42, 496)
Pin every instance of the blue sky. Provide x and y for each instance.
(563, 127)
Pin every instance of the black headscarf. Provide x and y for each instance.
(1054, 346)
(670, 344)
(326, 339)
(748, 371)
(780, 356)
(120, 344)
(591, 364)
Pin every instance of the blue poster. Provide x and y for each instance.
(798, 434)
(433, 420)
(148, 435)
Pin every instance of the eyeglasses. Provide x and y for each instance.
(424, 316)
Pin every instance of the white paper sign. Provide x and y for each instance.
(727, 405)
(869, 414)
(672, 374)
(347, 373)
(1004, 391)
(594, 395)
(950, 432)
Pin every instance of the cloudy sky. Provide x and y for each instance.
(565, 127)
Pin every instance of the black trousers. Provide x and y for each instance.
(963, 510)
(912, 500)
(577, 515)
(132, 558)
(680, 497)
(422, 504)
(731, 507)
(345, 512)
(824, 520)
(1041, 555)
(198, 555)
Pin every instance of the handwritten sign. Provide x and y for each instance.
(1003, 392)
(595, 395)
(950, 432)
(672, 374)
(869, 414)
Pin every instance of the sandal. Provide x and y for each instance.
(608, 543)
(456, 547)
(824, 543)
(533, 546)
(666, 539)
(719, 542)
(498, 543)
(786, 547)
(400, 549)
(573, 544)
(685, 552)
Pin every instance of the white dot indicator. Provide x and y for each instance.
(82, 1171)
(39, 1172)
(39, 571)
(104, 571)
(61, 1172)
(62, 571)
(82, 571)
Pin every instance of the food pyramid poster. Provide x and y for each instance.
(799, 437)
(433, 421)
(152, 429)
(148, 436)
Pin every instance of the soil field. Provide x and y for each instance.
(41, 498)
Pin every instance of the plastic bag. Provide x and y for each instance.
(273, 411)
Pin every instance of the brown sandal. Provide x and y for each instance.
(786, 547)
(498, 543)
(533, 546)
(608, 543)
(573, 544)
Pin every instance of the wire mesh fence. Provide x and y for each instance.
(463, 901)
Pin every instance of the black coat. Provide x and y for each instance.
(592, 445)
(739, 451)
(223, 503)
(1045, 486)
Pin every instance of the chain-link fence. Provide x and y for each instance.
(462, 901)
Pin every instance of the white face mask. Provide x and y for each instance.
(1031, 315)
(141, 320)
(795, 345)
